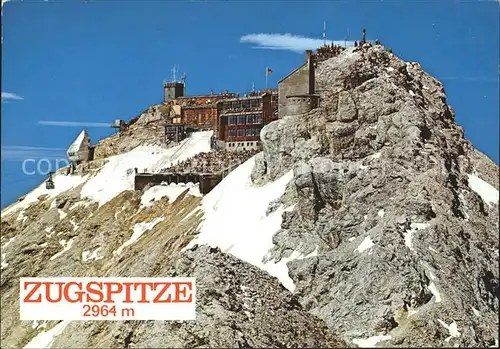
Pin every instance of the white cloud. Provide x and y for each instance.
(7, 96)
(74, 124)
(21, 153)
(289, 42)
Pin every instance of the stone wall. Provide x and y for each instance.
(299, 82)
(295, 84)
(206, 182)
(301, 104)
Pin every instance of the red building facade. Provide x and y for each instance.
(200, 116)
(201, 111)
(241, 119)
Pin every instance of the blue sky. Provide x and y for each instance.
(95, 61)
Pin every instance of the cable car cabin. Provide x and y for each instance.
(175, 132)
(49, 184)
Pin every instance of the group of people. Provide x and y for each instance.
(211, 162)
(328, 51)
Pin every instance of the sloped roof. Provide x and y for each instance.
(77, 143)
(303, 64)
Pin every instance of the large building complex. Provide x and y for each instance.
(237, 120)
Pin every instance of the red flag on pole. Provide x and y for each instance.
(269, 71)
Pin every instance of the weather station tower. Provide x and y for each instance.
(174, 89)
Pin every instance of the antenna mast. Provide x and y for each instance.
(173, 74)
(183, 79)
(324, 33)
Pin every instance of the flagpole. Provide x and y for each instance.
(266, 77)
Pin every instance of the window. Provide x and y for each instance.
(241, 120)
(245, 104)
(255, 103)
(241, 133)
(231, 120)
(231, 133)
(254, 119)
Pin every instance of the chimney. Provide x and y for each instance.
(311, 72)
(308, 55)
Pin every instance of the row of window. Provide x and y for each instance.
(242, 144)
(255, 132)
(253, 103)
(244, 119)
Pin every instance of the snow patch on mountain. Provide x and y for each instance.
(486, 191)
(62, 183)
(244, 230)
(117, 174)
(46, 338)
(437, 296)
(366, 244)
(452, 329)
(171, 191)
(66, 246)
(139, 230)
(91, 256)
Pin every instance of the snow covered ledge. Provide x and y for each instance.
(236, 221)
(486, 191)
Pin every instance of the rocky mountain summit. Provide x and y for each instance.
(402, 209)
(369, 221)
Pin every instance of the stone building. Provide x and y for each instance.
(172, 90)
(240, 119)
(296, 90)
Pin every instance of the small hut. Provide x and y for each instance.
(79, 151)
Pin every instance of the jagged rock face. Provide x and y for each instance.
(147, 130)
(382, 186)
(154, 114)
(238, 305)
